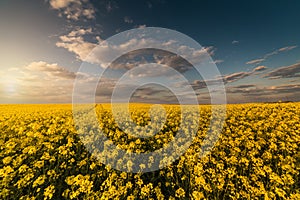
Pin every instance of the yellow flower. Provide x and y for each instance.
(124, 175)
(180, 193)
(39, 164)
(7, 160)
(39, 181)
(92, 166)
(23, 168)
(131, 197)
(197, 195)
(6, 170)
(146, 189)
(49, 191)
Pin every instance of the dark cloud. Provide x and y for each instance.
(244, 86)
(240, 75)
(150, 93)
(153, 94)
(200, 84)
(235, 76)
(291, 71)
(143, 56)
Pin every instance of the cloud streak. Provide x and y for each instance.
(253, 90)
(256, 61)
(266, 56)
(291, 71)
(255, 93)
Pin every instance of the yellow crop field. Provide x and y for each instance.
(257, 155)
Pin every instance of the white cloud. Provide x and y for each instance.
(287, 48)
(128, 20)
(74, 42)
(217, 61)
(52, 70)
(141, 26)
(256, 61)
(74, 9)
(259, 68)
(57, 4)
(111, 5)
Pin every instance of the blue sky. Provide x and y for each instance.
(255, 45)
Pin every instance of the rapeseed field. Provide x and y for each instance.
(257, 155)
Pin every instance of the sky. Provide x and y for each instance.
(255, 46)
